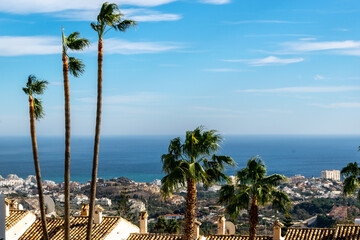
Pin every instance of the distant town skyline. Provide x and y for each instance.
(241, 67)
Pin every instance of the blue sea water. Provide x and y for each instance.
(138, 157)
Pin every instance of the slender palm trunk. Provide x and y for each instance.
(253, 218)
(37, 167)
(67, 146)
(190, 210)
(96, 141)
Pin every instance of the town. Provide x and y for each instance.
(146, 196)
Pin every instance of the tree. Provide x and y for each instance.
(160, 225)
(251, 190)
(36, 111)
(190, 162)
(287, 223)
(124, 207)
(109, 18)
(351, 175)
(76, 68)
(170, 226)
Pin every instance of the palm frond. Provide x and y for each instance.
(76, 66)
(74, 42)
(123, 25)
(352, 169)
(38, 109)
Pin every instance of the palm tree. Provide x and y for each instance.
(76, 67)
(36, 111)
(351, 175)
(109, 18)
(190, 162)
(254, 188)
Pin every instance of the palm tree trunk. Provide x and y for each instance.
(37, 167)
(190, 210)
(253, 218)
(67, 146)
(96, 141)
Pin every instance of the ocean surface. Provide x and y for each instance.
(138, 157)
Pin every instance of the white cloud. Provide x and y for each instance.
(136, 14)
(32, 45)
(222, 70)
(142, 97)
(260, 21)
(319, 77)
(308, 39)
(44, 45)
(326, 89)
(216, 2)
(319, 46)
(271, 60)
(45, 6)
(116, 46)
(339, 105)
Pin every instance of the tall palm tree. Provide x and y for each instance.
(190, 162)
(351, 175)
(251, 190)
(36, 111)
(76, 67)
(109, 18)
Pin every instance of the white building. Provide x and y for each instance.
(331, 174)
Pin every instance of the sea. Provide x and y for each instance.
(139, 157)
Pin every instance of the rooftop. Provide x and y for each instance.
(14, 218)
(78, 226)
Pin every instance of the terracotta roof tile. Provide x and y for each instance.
(309, 234)
(78, 226)
(236, 237)
(153, 236)
(347, 232)
(14, 217)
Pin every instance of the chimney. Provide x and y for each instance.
(277, 230)
(98, 214)
(84, 209)
(143, 222)
(13, 205)
(196, 230)
(221, 225)
(2, 216)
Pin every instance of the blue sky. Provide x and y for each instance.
(238, 66)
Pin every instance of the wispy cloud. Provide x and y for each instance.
(222, 70)
(308, 39)
(319, 77)
(320, 46)
(278, 35)
(216, 2)
(271, 60)
(136, 14)
(45, 45)
(117, 46)
(339, 105)
(324, 89)
(32, 45)
(135, 98)
(262, 21)
(45, 6)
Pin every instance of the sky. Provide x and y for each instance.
(238, 66)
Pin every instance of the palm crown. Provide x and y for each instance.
(110, 16)
(35, 87)
(252, 182)
(351, 174)
(74, 42)
(195, 159)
